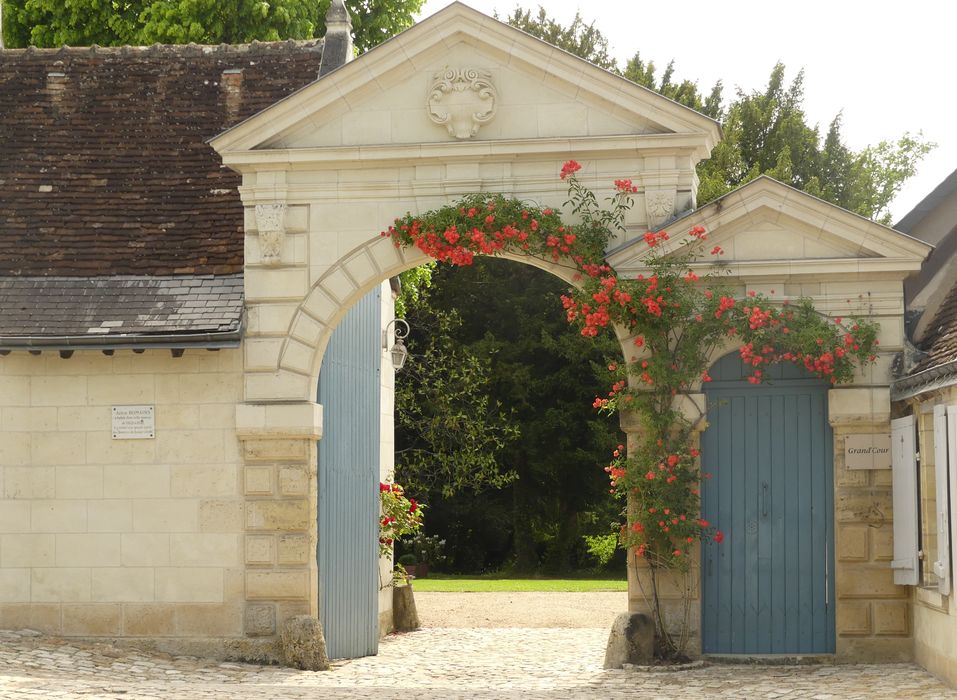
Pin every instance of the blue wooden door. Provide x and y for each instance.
(348, 553)
(768, 588)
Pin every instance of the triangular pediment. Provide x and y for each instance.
(767, 227)
(515, 85)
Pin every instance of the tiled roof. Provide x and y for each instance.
(104, 169)
(76, 310)
(940, 341)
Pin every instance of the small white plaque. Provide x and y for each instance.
(867, 451)
(134, 423)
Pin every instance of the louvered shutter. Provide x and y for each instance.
(904, 463)
(945, 457)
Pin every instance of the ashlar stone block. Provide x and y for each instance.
(259, 550)
(27, 550)
(852, 543)
(853, 618)
(92, 620)
(293, 481)
(14, 585)
(148, 620)
(208, 620)
(277, 585)
(221, 515)
(60, 585)
(293, 549)
(260, 620)
(868, 582)
(189, 585)
(40, 617)
(259, 481)
(891, 618)
(278, 515)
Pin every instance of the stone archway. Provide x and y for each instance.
(348, 280)
(280, 441)
(356, 451)
(326, 168)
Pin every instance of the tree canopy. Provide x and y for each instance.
(766, 132)
(578, 38)
(492, 359)
(50, 23)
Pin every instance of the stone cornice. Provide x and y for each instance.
(774, 270)
(350, 157)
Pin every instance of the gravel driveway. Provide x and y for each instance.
(567, 610)
(547, 646)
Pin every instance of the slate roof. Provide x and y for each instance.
(104, 168)
(116, 217)
(73, 311)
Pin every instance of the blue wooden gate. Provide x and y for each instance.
(349, 390)
(768, 588)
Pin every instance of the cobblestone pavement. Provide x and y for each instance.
(446, 664)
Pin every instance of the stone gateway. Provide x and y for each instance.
(184, 229)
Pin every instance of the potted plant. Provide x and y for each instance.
(411, 566)
(399, 516)
(427, 551)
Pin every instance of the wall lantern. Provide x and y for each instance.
(399, 352)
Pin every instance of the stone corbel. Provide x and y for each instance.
(271, 224)
(659, 206)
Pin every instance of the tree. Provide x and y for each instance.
(54, 23)
(586, 41)
(583, 40)
(766, 133)
(685, 92)
(118, 22)
(449, 431)
(375, 21)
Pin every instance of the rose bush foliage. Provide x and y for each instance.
(399, 516)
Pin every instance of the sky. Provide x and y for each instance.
(889, 67)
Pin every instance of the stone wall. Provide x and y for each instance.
(104, 537)
(873, 614)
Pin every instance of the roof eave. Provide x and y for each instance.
(931, 379)
(132, 341)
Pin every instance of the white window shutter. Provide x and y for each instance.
(945, 425)
(903, 459)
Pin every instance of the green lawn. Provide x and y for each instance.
(441, 583)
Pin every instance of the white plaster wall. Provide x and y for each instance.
(121, 537)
